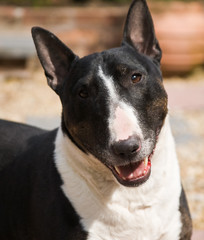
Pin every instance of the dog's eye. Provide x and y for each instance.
(136, 77)
(83, 93)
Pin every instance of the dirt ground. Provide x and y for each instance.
(27, 97)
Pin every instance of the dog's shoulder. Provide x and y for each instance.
(185, 217)
(15, 138)
(29, 182)
(24, 151)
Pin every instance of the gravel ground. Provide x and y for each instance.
(28, 99)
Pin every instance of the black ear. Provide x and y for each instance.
(139, 30)
(55, 57)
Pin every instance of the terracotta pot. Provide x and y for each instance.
(180, 29)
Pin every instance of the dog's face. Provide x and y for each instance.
(114, 103)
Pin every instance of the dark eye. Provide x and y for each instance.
(136, 77)
(83, 93)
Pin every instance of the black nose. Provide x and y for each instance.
(127, 148)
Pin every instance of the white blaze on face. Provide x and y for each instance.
(123, 121)
(123, 124)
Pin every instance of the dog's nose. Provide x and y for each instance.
(127, 148)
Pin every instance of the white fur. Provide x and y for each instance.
(110, 211)
(123, 121)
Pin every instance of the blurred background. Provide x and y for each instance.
(87, 26)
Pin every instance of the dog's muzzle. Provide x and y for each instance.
(132, 173)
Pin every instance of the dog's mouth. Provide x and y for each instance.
(135, 173)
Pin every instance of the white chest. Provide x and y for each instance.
(110, 211)
(124, 217)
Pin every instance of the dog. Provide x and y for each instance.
(110, 171)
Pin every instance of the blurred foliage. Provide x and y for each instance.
(66, 2)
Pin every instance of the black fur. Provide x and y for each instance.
(186, 231)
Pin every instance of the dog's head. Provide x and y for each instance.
(114, 103)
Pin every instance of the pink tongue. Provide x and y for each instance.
(132, 171)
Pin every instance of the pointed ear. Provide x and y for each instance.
(55, 57)
(139, 30)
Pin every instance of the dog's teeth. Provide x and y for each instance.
(146, 161)
(117, 170)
